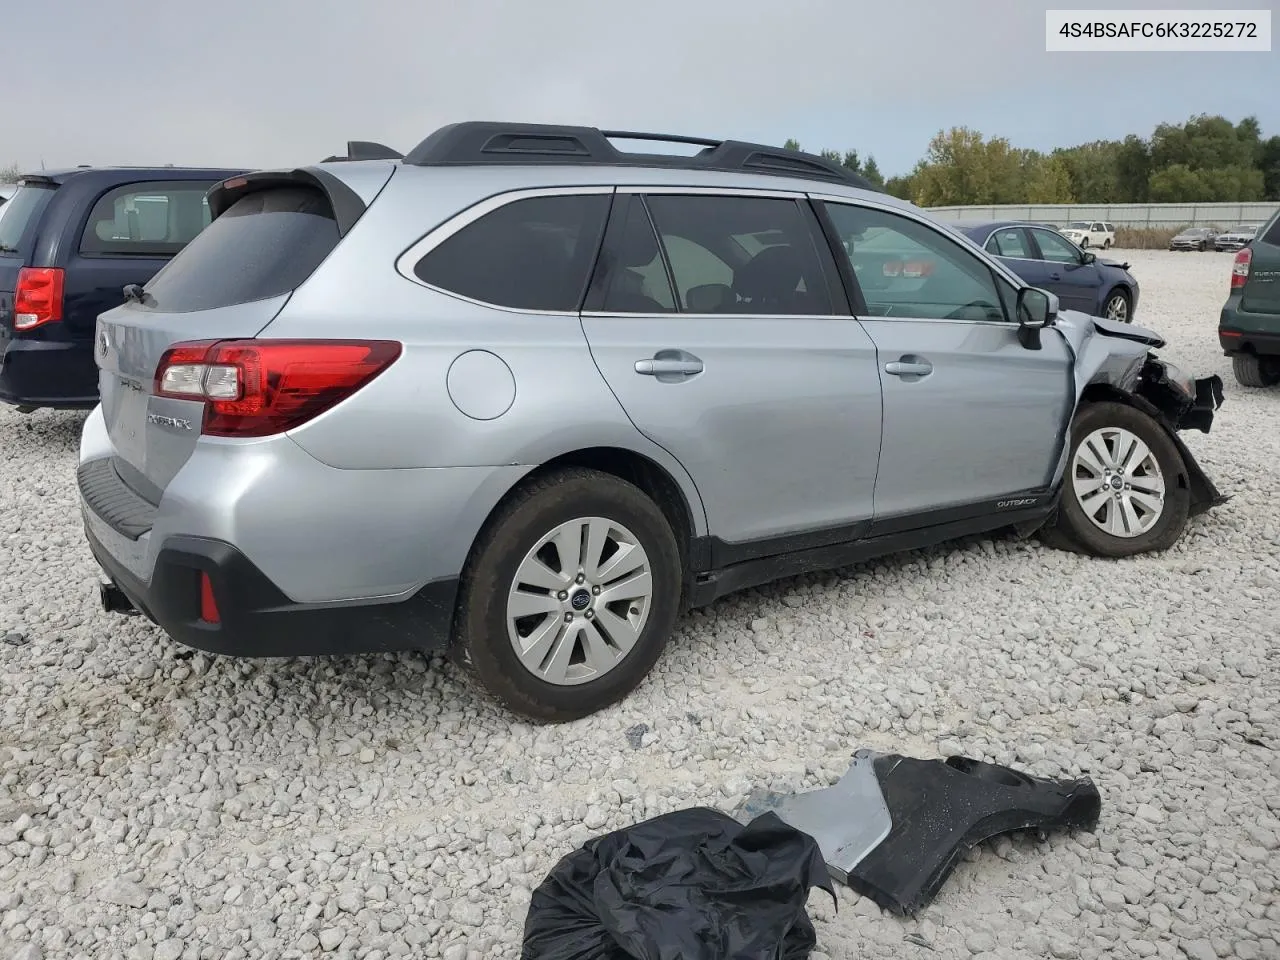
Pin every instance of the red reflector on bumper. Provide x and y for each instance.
(208, 606)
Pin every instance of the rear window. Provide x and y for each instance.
(266, 244)
(1272, 236)
(152, 219)
(18, 217)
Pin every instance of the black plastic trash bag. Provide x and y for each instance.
(690, 885)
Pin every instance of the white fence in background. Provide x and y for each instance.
(1157, 216)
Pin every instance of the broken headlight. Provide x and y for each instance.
(1177, 378)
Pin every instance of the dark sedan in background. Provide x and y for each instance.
(1194, 238)
(1046, 259)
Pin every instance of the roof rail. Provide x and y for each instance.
(478, 142)
(365, 150)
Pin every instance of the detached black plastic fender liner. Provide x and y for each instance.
(894, 827)
(690, 885)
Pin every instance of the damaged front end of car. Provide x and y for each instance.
(1180, 402)
(1117, 361)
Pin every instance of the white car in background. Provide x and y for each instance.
(1090, 233)
(1236, 237)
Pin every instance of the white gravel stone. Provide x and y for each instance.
(372, 808)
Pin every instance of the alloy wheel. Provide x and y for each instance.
(1118, 308)
(1118, 482)
(579, 601)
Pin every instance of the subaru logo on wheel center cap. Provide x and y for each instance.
(1117, 482)
(580, 600)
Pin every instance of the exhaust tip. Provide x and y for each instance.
(113, 599)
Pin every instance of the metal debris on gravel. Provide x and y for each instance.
(157, 805)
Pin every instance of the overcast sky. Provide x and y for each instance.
(277, 82)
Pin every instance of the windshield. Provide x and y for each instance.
(1195, 232)
(18, 217)
(1079, 225)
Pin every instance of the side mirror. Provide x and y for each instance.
(1088, 257)
(1036, 309)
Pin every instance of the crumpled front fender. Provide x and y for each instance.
(1115, 361)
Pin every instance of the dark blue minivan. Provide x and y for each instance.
(70, 242)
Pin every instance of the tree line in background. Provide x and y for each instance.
(1204, 160)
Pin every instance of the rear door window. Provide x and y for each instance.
(153, 219)
(742, 255)
(1010, 242)
(20, 216)
(631, 276)
(265, 244)
(530, 254)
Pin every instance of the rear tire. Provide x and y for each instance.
(1106, 244)
(1252, 370)
(1145, 510)
(585, 652)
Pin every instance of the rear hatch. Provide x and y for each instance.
(269, 233)
(19, 220)
(1261, 293)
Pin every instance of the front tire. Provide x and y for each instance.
(1084, 244)
(1117, 307)
(569, 597)
(1254, 371)
(1124, 492)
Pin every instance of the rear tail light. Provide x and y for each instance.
(1240, 268)
(907, 268)
(38, 299)
(255, 388)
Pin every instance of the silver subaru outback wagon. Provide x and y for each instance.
(524, 397)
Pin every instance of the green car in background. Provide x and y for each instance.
(1249, 328)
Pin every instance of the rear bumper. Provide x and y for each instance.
(60, 374)
(1243, 332)
(1244, 341)
(255, 619)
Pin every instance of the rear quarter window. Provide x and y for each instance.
(530, 254)
(153, 219)
(265, 244)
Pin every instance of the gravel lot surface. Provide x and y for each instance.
(159, 804)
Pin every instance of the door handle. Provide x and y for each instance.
(1055, 276)
(661, 367)
(909, 366)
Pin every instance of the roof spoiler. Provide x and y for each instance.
(346, 203)
(365, 150)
